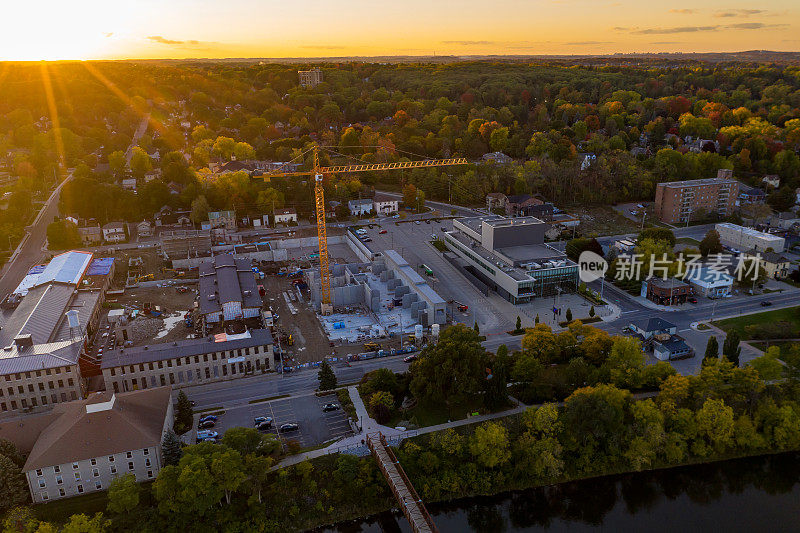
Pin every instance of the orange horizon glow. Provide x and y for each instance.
(179, 29)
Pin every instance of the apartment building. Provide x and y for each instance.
(743, 238)
(310, 78)
(81, 446)
(679, 202)
(189, 362)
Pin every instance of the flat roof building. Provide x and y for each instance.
(189, 362)
(679, 202)
(509, 255)
(743, 238)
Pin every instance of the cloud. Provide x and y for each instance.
(683, 11)
(587, 43)
(717, 27)
(739, 13)
(678, 29)
(172, 42)
(666, 42)
(108, 34)
(470, 43)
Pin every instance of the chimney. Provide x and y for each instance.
(23, 341)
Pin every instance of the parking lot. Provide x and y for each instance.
(315, 425)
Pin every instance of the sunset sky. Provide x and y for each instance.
(99, 29)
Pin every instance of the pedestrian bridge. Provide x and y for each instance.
(403, 490)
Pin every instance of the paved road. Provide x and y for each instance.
(229, 394)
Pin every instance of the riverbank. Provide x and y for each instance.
(739, 494)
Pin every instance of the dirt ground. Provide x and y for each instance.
(146, 329)
(153, 264)
(602, 221)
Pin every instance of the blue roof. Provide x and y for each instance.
(100, 267)
(37, 269)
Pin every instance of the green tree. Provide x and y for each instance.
(476, 328)
(200, 209)
(489, 445)
(80, 523)
(536, 320)
(568, 315)
(730, 347)
(710, 243)
(712, 350)
(768, 366)
(658, 234)
(518, 327)
(250, 441)
(141, 163)
(9, 449)
(117, 162)
(243, 151)
(326, 377)
(591, 312)
(452, 370)
(62, 235)
(381, 405)
(626, 362)
(171, 448)
(258, 471)
(13, 486)
(227, 468)
(715, 424)
(123, 494)
(184, 415)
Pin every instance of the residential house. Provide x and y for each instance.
(114, 232)
(647, 329)
(495, 200)
(152, 175)
(785, 220)
(775, 265)
(516, 204)
(91, 234)
(129, 183)
(586, 160)
(144, 229)
(710, 282)
(671, 349)
(772, 180)
(497, 157)
(222, 220)
(285, 216)
(360, 207)
(82, 446)
(751, 195)
(385, 205)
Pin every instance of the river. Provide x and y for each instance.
(751, 494)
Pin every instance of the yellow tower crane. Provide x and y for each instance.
(319, 195)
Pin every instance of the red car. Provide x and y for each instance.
(691, 300)
(382, 231)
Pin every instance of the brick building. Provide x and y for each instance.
(679, 202)
(666, 291)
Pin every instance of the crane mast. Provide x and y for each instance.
(318, 172)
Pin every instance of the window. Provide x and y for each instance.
(61, 492)
(44, 496)
(95, 472)
(149, 473)
(147, 462)
(146, 451)
(60, 383)
(150, 366)
(113, 371)
(113, 469)
(51, 385)
(129, 455)
(77, 476)
(161, 364)
(80, 489)
(57, 469)
(130, 465)
(41, 386)
(98, 485)
(38, 471)
(94, 462)
(71, 382)
(59, 480)
(42, 483)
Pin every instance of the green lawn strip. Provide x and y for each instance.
(270, 398)
(208, 409)
(789, 316)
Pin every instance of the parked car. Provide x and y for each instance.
(443, 228)
(366, 240)
(208, 417)
(382, 231)
(289, 427)
(417, 222)
(206, 424)
(766, 303)
(410, 358)
(330, 407)
(263, 426)
(202, 435)
(261, 419)
(691, 300)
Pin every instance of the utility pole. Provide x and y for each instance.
(644, 214)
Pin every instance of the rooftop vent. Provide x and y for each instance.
(23, 341)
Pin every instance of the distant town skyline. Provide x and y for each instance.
(91, 29)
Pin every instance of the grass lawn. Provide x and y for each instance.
(785, 347)
(790, 315)
(431, 415)
(688, 241)
(59, 511)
